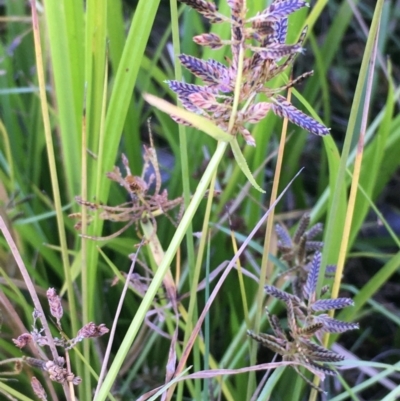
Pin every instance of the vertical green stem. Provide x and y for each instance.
(185, 170)
(207, 336)
(53, 175)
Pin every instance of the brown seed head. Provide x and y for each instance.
(56, 308)
(22, 340)
(91, 330)
(38, 388)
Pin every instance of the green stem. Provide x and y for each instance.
(183, 147)
(192, 311)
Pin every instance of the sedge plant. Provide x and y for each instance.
(237, 75)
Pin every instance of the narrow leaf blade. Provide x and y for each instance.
(241, 161)
(197, 121)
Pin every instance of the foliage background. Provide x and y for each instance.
(99, 58)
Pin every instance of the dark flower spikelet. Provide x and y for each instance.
(262, 38)
(302, 345)
(297, 252)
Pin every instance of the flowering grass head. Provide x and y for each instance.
(303, 344)
(259, 53)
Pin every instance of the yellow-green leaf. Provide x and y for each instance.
(241, 161)
(197, 121)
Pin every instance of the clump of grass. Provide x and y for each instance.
(230, 98)
(237, 92)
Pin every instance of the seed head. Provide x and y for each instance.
(56, 308)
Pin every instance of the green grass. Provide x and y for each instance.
(76, 92)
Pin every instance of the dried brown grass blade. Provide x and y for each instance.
(207, 374)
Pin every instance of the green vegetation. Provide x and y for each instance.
(145, 259)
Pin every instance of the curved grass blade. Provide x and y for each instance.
(241, 161)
